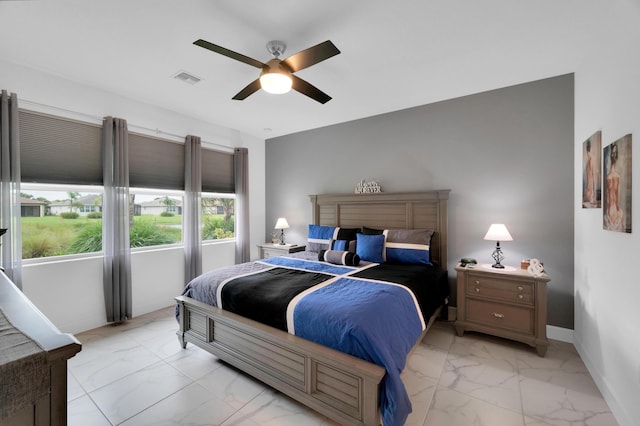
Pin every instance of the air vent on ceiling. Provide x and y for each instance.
(186, 77)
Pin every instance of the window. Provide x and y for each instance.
(218, 198)
(218, 218)
(62, 176)
(156, 218)
(59, 220)
(61, 173)
(89, 208)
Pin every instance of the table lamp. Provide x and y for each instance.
(281, 224)
(498, 232)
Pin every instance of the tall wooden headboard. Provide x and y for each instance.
(411, 210)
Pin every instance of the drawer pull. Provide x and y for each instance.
(477, 290)
(520, 288)
(477, 282)
(497, 315)
(520, 296)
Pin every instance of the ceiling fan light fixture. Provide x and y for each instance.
(276, 83)
(277, 76)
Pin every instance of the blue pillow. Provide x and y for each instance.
(319, 237)
(408, 245)
(344, 245)
(370, 247)
(340, 245)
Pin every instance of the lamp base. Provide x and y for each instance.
(497, 257)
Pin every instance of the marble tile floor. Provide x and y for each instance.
(137, 374)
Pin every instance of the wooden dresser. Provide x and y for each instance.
(509, 303)
(34, 371)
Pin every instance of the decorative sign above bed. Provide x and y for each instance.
(370, 187)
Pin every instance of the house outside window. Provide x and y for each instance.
(30, 207)
(162, 204)
(156, 217)
(78, 203)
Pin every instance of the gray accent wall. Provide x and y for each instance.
(507, 156)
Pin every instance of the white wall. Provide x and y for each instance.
(157, 276)
(607, 288)
(69, 292)
(216, 255)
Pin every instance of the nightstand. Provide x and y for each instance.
(272, 250)
(509, 303)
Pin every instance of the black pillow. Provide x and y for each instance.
(371, 231)
(348, 234)
(346, 258)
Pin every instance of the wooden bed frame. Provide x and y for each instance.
(339, 386)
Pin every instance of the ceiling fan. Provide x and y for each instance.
(277, 74)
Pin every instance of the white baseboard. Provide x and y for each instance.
(559, 333)
(620, 412)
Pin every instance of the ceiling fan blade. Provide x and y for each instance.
(229, 53)
(251, 88)
(309, 90)
(311, 56)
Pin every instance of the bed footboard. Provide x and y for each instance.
(339, 386)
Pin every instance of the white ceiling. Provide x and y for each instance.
(395, 55)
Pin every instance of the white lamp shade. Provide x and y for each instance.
(281, 223)
(275, 82)
(498, 232)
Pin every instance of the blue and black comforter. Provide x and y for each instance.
(376, 312)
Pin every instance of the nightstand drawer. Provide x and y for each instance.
(272, 250)
(498, 315)
(269, 252)
(509, 291)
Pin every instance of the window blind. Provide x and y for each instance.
(59, 150)
(217, 172)
(155, 163)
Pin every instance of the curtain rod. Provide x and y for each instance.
(135, 126)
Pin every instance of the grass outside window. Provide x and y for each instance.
(55, 236)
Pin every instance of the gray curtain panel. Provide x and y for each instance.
(10, 188)
(115, 223)
(192, 207)
(241, 208)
